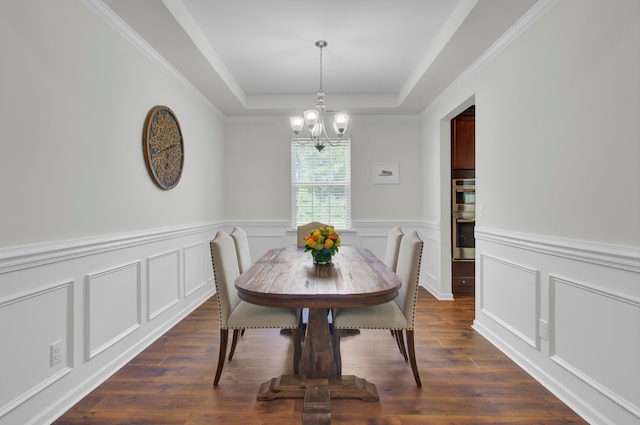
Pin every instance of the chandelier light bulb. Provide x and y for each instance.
(296, 124)
(340, 123)
(311, 118)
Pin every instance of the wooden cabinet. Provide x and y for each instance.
(463, 143)
(463, 277)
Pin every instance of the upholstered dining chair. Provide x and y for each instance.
(243, 253)
(236, 314)
(305, 229)
(393, 246)
(398, 314)
(391, 260)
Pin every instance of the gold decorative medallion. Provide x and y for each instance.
(163, 147)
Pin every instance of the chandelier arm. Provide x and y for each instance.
(337, 141)
(302, 141)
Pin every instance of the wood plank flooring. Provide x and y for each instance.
(465, 379)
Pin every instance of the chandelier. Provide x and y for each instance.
(313, 119)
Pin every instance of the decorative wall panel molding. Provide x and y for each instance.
(27, 338)
(589, 305)
(163, 282)
(375, 243)
(195, 257)
(430, 264)
(113, 306)
(509, 293)
(586, 340)
(261, 243)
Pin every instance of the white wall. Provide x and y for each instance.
(557, 128)
(85, 233)
(92, 253)
(261, 148)
(558, 260)
(73, 109)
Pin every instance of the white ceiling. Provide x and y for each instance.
(256, 57)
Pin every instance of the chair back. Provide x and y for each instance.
(305, 229)
(393, 246)
(408, 270)
(243, 253)
(225, 272)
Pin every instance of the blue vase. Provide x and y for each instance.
(322, 256)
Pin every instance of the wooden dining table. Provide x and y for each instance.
(287, 277)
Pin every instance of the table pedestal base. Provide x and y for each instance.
(317, 393)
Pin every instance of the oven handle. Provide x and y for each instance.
(465, 220)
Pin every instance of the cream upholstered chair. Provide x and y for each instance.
(237, 314)
(391, 260)
(305, 229)
(243, 253)
(241, 242)
(393, 246)
(398, 314)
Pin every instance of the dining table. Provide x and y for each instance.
(288, 277)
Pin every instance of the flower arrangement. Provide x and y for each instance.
(323, 244)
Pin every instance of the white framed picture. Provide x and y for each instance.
(387, 173)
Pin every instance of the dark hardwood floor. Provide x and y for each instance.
(465, 379)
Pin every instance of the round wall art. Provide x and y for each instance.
(163, 147)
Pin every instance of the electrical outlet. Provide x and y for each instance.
(544, 330)
(55, 353)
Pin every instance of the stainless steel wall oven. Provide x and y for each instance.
(463, 198)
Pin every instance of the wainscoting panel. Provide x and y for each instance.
(29, 324)
(260, 244)
(95, 298)
(375, 243)
(113, 306)
(509, 294)
(429, 267)
(163, 282)
(576, 304)
(583, 343)
(195, 262)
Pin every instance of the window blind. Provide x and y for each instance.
(321, 184)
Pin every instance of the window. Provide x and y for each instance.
(321, 184)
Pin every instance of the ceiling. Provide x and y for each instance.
(258, 57)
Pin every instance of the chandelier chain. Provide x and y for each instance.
(321, 91)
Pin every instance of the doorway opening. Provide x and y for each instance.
(463, 184)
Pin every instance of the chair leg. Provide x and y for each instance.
(222, 353)
(400, 341)
(412, 356)
(336, 336)
(234, 342)
(297, 350)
